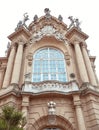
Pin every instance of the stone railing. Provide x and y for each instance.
(50, 86)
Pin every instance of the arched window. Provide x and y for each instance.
(49, 64)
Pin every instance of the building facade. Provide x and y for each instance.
(49, 76)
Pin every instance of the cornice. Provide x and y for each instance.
(18, 33)
(76, 32)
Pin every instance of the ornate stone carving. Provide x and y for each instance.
(47, 13)
(23, 22)
(30, 58)
(77, 24)
(50, 86)
(60, 18)
(74, 22)
(47, 31)
(28, 77)
(35, 18)
(51, 112)
(51, 108)
(67, 57)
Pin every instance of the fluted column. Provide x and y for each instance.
(9, 68)
(79, 113)
(80, 62)
(17, 64)
(88, 66)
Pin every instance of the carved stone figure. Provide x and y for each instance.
(47, 13)
(26, 17)
(35, 18)
(72, 21)
(8, 45)
(23, 23)
(77, 23)
(60, 18)
(19, 24)
(51, 108)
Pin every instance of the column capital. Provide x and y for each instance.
(76, 39)
(83, 44)
(75, 42)
(13, 46)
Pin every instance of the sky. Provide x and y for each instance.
(11, 11)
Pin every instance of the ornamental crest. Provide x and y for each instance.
(47, 31)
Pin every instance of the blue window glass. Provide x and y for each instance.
(49, 64)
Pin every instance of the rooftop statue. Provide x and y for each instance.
(35, 18)
(74, 22)
(60, 18)
(23, 22)
(47, 13)
(77, 23)
(8, 45)
(26, 17)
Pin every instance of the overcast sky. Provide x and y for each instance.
(11, 11)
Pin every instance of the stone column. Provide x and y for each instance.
(80, 62)
(9, 68)
(88, 66)
(79, 113)
(17, 64)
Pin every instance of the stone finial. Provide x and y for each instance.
(60, 18)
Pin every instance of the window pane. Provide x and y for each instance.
(48, 64)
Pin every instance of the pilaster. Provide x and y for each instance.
(25, 105)
(79, 113)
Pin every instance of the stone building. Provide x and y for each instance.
(49, 75)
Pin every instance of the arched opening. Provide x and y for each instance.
(52, 128)
(43, 124)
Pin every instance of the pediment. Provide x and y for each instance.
(43, 21)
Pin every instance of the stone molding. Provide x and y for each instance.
(50, 86)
